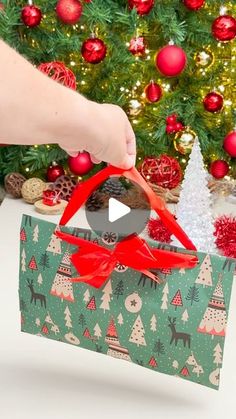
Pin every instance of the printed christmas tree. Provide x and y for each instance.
(54, 245)
(23, 237)
(61, 286)
(115, 349)
(214, 320)
(152, 362)
(23, 261)
(36, 234)
(164, 299)
(218, 354)
(106, 298)
(137, 335)
(205, 275)
(177, 300)
(33, 264)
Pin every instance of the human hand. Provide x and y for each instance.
(106, 133)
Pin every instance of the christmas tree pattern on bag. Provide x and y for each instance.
(177, 327)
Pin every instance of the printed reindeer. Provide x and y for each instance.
(35, 295)
(176, 336)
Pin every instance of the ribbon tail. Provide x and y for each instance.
(170, 259)
(159, 206)
(152, 276)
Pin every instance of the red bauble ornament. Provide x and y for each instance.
(153, 92)
(171, 119)
(194, 4)
(224, 28)
(81, 164)
(158, 231)
(171, 60)
(230, 143)
(59, 72)
(137, 45)
(31, 15)
(69, 11)
(54, 171)
(143, 7)
(164, 171)
(219, 169)
(94, 50)
(213, 102)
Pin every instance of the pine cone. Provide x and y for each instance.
(113, 187)
(95, 201)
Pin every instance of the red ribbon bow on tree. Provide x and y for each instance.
(96, 263)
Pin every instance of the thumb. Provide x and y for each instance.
(70, 152)
(128, 162)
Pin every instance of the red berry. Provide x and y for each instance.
(171, 119)
(178, 126)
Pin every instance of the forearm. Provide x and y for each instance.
(33, 108)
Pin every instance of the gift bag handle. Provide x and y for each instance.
(84, 190)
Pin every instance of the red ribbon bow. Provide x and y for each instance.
(96, 263)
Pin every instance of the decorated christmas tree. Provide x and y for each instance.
(168, 64)
(61, 286)
(214, 320)
(194, 208)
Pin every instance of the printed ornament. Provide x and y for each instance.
(54, 171)
(31, 15)
(213, 102)
(219, 169)
(153, 92)
(184, 141)
(230, 143)
(224, 28)
(133, 303)
(93, 50)
(71, 338)
(171, 60)
(137, 45)
(193, 4)
(143, 7)
(164, 171)
(69, 11)
(59, 72)
(81, 164)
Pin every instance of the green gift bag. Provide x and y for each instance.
(170, 320)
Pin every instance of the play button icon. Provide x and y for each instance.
(116, 210)
(118, 220)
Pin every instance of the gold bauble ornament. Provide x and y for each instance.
(204, 58)
(134, 107)
(184, 140)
